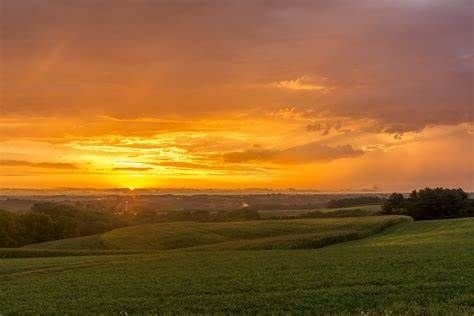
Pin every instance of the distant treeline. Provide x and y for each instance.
(212, 203)
(431, 204)
(170, 202)
(355, 201)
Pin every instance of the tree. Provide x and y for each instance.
(55, 209)
(436, 203)
(395, 202)
(36, 227)
(8, 229)
(66, 227)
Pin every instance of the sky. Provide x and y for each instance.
(370, 95)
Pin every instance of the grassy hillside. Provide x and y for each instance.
(281, 234)
(418, 268)
(36, 253)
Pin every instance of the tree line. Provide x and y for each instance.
(431, 204)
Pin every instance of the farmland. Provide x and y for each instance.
(271, 234)
(413, 267)
(363, 210)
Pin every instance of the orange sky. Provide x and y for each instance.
(219, 94)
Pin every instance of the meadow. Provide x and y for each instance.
(416, 268)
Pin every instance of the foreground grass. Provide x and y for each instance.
(271, 234)
(415, 268)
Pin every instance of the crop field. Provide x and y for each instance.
(269, 234)
(423, 267)
(363, 210)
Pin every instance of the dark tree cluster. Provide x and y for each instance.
(49, 221)
(431, 204)
(21, 229)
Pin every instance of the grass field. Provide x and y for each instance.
(417, 268)
(363, 210)
(270, 234)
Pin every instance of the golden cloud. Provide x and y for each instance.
(48, 165)
(301, 83)
(306, 153)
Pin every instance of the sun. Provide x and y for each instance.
(132, 181)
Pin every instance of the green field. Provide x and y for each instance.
(414, 267)
(363, 210)
(267, 234)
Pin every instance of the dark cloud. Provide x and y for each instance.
(307, 153)
(48, 165)
(407, 64)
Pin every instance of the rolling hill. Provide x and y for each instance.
(267, 234)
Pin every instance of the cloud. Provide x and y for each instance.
(307, 153)
(204, 83)
(47, 165)
(132, 169)
(219, 167)
(301, 83)
(187, 165)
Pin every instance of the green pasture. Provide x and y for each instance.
(414, 268)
